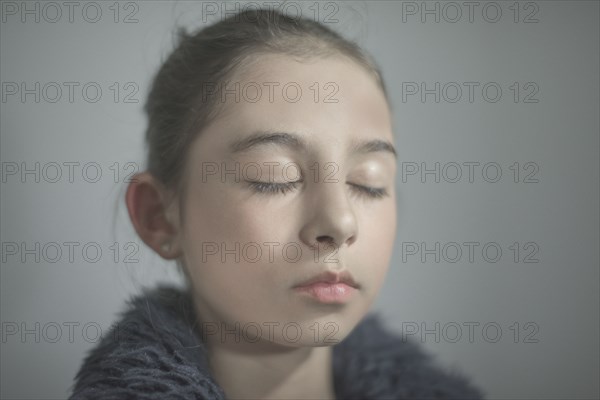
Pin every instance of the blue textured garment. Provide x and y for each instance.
(153, 352)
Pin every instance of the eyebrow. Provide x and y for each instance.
(295, 142)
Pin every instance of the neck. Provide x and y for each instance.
(264, 369)
(251, 370)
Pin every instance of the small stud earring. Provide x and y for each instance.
(166, 247)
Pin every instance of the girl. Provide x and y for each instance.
(271, 181)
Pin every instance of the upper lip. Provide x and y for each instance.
(331, 277)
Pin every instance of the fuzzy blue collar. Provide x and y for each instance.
(154, 353)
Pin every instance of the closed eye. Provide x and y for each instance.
(283, 188)
(272, 187)
(376, 193)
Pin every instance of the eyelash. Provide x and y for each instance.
(283, 188)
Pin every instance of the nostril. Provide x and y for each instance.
(328, 239)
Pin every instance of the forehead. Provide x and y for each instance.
(331, 101)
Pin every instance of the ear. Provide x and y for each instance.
(146, 200)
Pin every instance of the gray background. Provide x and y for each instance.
(555, 356)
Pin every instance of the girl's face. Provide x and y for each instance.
(245, 249)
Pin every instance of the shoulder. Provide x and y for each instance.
(150, 353)
(375, 363)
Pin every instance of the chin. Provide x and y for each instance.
(325, 330)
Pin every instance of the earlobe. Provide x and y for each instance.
(166, 247)
(146, 204)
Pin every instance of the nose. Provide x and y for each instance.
(331, 220)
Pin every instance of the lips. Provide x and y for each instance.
(330, 277)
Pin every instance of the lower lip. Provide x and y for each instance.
(335, 293)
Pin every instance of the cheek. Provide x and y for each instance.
(220, 233)
(378, 234)
(217, 212)
(235, 223)
(223, 282)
